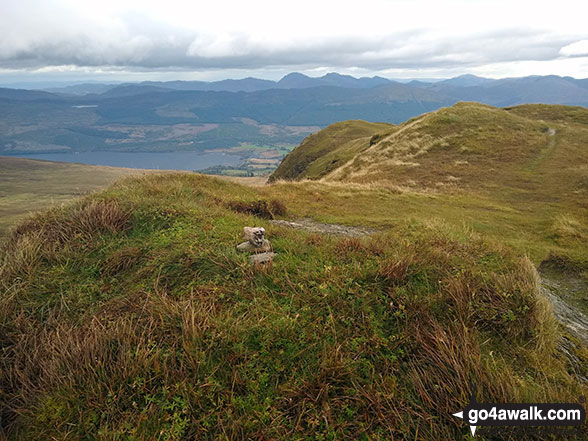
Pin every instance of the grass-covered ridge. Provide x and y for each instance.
(468, 145)
(129, 315)
(328, 149)
(519, 175)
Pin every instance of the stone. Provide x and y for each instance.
(256, 241)
(254, 235)
(248, 247)
(261, 258)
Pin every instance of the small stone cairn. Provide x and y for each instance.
(256, 244)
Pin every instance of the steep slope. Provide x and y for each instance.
(130, 315)
(462, 143)
(331, 147)
(468, 145)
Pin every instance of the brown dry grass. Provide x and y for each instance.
(450, 361)
(43, 235)
(99, 354)
(87, 219)
(259, 208)
(121, 260)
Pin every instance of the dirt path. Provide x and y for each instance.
(317, 227)
(555, 289)
(546, 151)
(574, 320)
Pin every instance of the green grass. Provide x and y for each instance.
(529, 225)
(130, 315)
(29, 185)
(332, 147)
(497, 171)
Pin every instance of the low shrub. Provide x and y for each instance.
(259, 208)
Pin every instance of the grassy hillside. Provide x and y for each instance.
(518, 175)
(129, 315)
(29, 185)
(328, 149)
(468, 143)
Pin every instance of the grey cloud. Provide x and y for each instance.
(138, 43)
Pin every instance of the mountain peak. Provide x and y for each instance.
(293, 75)
(466, 80)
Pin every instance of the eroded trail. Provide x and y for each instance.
(318, 227)
(573, 319)
(547, 151)
(555, 288)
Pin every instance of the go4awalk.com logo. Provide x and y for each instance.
(529, 415)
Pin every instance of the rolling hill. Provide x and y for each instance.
(525, 166)
(199, 116)
(130, 314)
(468, 145)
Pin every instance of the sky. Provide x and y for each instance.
(134, 40)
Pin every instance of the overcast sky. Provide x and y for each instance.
(215, 39)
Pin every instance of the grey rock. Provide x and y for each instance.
(255, 235)
(248, 247)
(261, 258)
(256, 241)
(317, 227)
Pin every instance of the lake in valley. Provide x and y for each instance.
(190, 161)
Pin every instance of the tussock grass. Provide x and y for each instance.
(43, 236)
(147, 324)
(566, 226)
(87, 218)
(23, 258)
(121, 260)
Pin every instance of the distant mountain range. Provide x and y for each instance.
(291, 81)
(198, 115)
(508, 91)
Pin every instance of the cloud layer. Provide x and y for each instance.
(374, 35)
